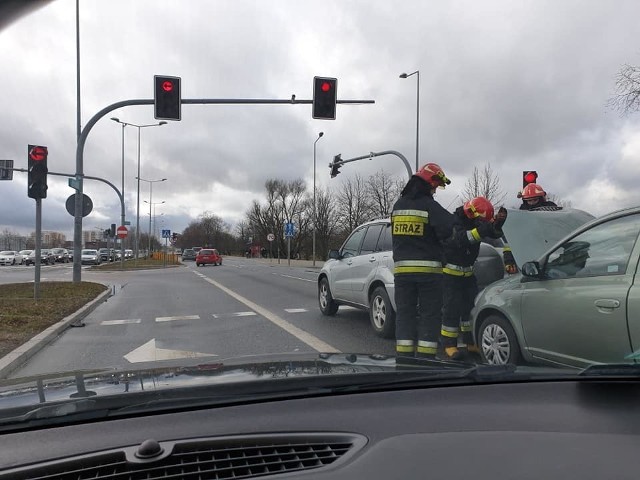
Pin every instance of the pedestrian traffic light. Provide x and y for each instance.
(37, 171)
(529, 176)
(325, 95)
(167, 100)
(335, 166)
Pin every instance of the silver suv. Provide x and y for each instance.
(360, 275)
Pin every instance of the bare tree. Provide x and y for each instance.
(552, 197)
(486, 184)
(354, 204)
(383, 192)
(627, 97)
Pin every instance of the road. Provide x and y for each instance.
(243, 307)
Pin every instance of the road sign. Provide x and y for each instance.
(122, 231)
(87, 205)
(6, 169)
(166, 233)
(289, 229)
(271, 237)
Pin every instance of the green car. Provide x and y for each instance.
(574, 306)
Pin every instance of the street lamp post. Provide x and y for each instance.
(154, 221)
(315, 215)
(407, 75)
(139, 127)
(150, 182)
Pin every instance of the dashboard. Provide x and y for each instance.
(551, 429)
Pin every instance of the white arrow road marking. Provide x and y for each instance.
(120, 322)
(295, 310)
(311, 340)
(149, 353)
(178, 317)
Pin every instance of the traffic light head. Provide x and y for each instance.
(529, 176)
(325, 96)
(335, 166)
(37, 171)
(167, 100)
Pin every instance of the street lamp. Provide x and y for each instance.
(407, 75)
(150, 182)
(139, 127)
(154, 221)
(315, 216)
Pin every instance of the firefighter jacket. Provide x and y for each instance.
(459, 256)
(419, 227)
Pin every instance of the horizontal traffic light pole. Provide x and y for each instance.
(338, 163)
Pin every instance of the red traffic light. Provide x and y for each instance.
(530, 177)
(167, 86)
(326, 86)
(38, 153)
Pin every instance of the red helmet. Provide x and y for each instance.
(533, 190)
(433, 175)
(478, 207)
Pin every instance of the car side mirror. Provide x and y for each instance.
(531, 269)
(334, 254)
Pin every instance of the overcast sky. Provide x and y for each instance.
(517, 84)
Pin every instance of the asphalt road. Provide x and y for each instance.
(243, 307)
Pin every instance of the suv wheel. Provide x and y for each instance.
(327, 305)
(381, 313)
(498, 342)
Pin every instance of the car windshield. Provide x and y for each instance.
(416, 181)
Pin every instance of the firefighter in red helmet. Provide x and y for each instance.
(459, 282)
(534, 197)
(420, 228)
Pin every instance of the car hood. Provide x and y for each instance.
(531, 233)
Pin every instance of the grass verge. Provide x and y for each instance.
(22, 317)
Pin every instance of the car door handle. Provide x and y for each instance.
(607, 303)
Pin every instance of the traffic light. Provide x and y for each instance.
(112, 231)
(37, 168)
(325, 95)
(167, 100)
(335, 167)
(529, 176)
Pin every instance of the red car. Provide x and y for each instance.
(208, 255)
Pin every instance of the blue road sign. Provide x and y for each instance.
(289, 229)
(166, 233)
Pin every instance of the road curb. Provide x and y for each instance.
(19, 356)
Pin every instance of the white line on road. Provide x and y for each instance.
(297, 278)
(235, 314)
(178, 317)
(311, 340)
(120, 322)
(295, 310)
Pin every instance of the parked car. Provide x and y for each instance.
(46, 257)
(208, 256)
(24, 254)
(60, 255)
(90, 257)
(575, 304)
(9, 257)
(188, 254)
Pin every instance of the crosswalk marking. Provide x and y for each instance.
(120, 322)
(177, 317)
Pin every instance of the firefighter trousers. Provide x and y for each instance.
(419, 312)
(459, 293)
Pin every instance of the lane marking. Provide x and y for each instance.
(149, 353)
(178, 317)
(295, 310)
(120, 322)
(309, 339)
(297, 278)
(235, 314)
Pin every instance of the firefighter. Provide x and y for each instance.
(534, 197)
(460, 288)
(419, 226)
